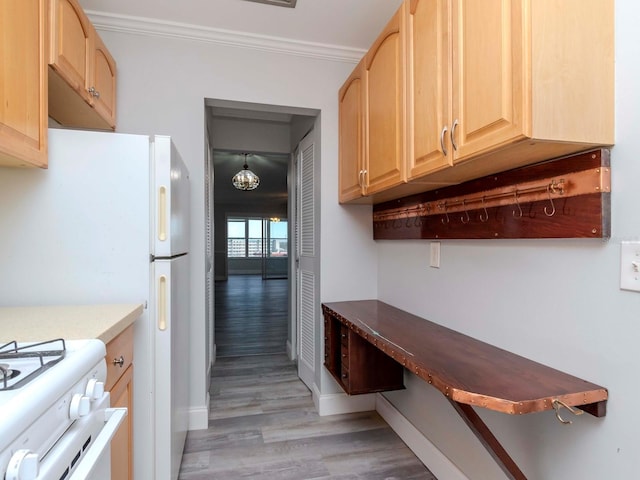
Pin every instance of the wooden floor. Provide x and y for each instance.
(262, 420)
(263, 425)
(250, 316)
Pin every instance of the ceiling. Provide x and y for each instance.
(271, 169)
(345, 23)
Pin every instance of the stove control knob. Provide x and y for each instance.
(22, 466)
(80, 406)
(95, 389)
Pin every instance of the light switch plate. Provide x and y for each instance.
(630, 266)
(434, 260)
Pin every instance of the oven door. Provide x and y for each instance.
(96, 463)
(83, 452)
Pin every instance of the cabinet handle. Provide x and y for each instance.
(344, 335)
(361, 179)
(453, 134)
(93, 92)
(344, 375)
(442, 133)
(119, 361)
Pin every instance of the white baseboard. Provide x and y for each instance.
(337, 403)
(199, 416)
(420, 445)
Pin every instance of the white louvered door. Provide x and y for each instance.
(307, 252)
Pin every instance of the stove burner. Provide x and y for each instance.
(8, 373)
(41, 352)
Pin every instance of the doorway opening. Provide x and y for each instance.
(252, 235)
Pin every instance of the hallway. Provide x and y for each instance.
(263, 425)
(262, 420)
(250, 316)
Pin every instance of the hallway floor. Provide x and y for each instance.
(263, 425)
(251, 315)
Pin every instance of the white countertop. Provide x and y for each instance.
(71, 322)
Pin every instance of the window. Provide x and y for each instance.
(256, 237)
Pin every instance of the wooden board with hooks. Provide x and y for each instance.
(562, 198)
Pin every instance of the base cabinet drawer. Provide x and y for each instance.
(120, 386)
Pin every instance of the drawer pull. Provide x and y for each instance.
(119, 361)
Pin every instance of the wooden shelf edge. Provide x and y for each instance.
(592, 400)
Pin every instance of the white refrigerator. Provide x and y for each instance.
(108, 222)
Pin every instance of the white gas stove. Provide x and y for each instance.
(55, 423)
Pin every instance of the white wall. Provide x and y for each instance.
(162, 84)
(555, 301)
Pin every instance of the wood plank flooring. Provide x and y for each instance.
(262, 421)
(263, 425)
(250, 315)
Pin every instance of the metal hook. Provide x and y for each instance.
(417, 221)
(463, 219)
(557, 404)
(395, 222)
(515, 194)
(553, 211)
(444, 205)
(485, 217)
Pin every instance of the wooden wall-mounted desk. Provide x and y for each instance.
(467, 371)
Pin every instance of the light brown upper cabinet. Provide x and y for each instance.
(371, 118)
(82, 80)
(384, 108)
(488, 86)
(498, 84)
(351, 136)
(23, 81)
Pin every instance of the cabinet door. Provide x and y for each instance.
(489, 53)
(103, 82)
(428, 91)
(23, 86)
(71, 44)
(351, 136)
(384, 108)
(122, 444)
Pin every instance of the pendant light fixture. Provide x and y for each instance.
(245, 179)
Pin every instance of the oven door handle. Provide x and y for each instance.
(113, 418)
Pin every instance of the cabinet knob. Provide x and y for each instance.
(96, 94)
(344, 335)
(344, 375)
(119, 361)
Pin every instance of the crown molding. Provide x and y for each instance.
(159, 28)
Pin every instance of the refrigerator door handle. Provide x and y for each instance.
(162, 303)
(162, 213)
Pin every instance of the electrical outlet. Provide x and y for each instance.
(630, 266)
(434, 260)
